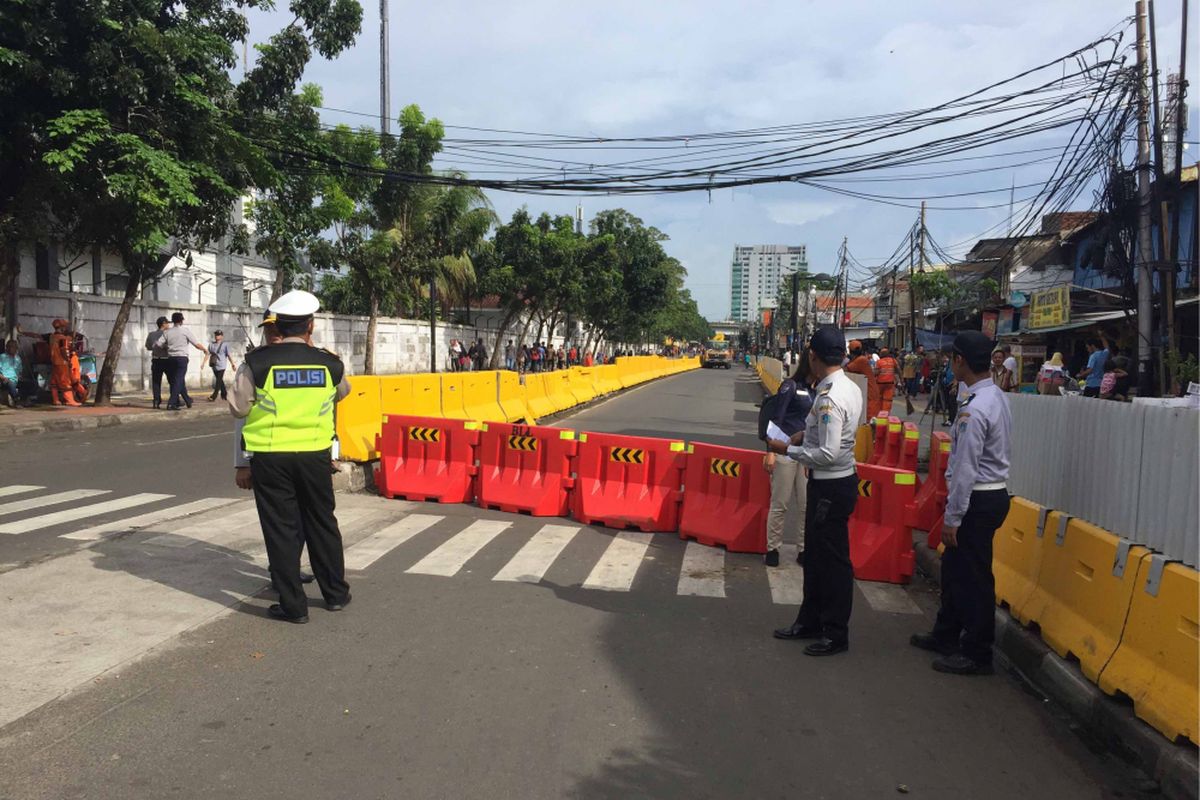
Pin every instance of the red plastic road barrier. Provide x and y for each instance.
(925, 511)
(893, 443)
(909, 446)
(879, 450)
(880, 542)
(628, 481)
(427, 458)
(525, 468)
(726, 494)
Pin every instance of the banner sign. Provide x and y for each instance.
(1050, 307)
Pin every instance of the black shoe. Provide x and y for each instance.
(958, 664)
(800, 558)
(189, 402)
(927, 641)
(797, 631)
(212, 398)
(338, 606)
(306, 578)
(158, 403)
(771, 559)
(826, 647)
(276, 611)
(172, 408)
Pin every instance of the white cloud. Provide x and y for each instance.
(796, 212)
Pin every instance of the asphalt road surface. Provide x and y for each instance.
(485, 655)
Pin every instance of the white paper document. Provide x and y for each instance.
(775, 433)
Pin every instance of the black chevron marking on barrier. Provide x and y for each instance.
(628, 455)
(522, 443)
(425, 434)
(864, 488)
(725, 467)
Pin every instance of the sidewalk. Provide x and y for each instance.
(125, 409)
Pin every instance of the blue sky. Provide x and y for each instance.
(636, 68)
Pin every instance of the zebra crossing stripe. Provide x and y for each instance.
(787, 580)
(366, 552)
(5, 491)
(703, 571)
(145, 520)
(455, 552)
(209, 528)
(17, 506)
(74, 514)
(529, 565)
(616, 569)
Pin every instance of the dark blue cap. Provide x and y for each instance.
(974, 346)
(828, 341)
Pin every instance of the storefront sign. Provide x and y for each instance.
(989, 324)
(1004, 324)
(1050, 307)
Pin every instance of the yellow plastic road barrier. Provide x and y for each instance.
(359, 419)
(480, 397)
(608, 378)
(628, 371)
(539, 403)
(580, 385)
(426, 395)
(396, 394)
(558, 387)
(1083, 590)
(864, 444)
(511, 395)
(1017, 555)
(452, 397)
(1156, 662)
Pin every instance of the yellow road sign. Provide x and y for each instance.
(522, 443)
(864, 488)
(425, 434)
(628, 455)
(723, 466)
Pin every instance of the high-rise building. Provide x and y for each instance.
(756, 274)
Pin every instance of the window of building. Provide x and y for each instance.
(115, 284)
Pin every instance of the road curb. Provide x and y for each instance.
(60, 423)
(1106, 720)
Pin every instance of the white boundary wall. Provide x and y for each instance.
(1131, 469)
(401, 345)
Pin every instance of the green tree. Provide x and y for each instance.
(121, 122)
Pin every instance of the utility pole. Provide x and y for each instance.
(911, 294)
(1145, 252)
(912, 306)
(1180, 121)
(385, 89)
(795, 310)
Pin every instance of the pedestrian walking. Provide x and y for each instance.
(885, 375)
(1052, 376)
(220, 359)
(1010, 364)
(179, 339)
(510, 356)
(977, 502)
(160, 360)
(860, 364)
(1093, 373)
(478, 355)
(789, 412)
(286, 392)
(826, 449)
(909, 373)
(999, 373)
(10, 373)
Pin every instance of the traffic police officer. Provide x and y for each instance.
(976, 506)
(826, 449)
(286, 393)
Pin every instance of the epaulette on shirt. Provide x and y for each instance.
(826, 390)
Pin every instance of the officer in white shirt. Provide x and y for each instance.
(826, 450)
(977, 503)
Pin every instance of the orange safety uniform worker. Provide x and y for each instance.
(64, 367)
(861, 365)
(886, 369)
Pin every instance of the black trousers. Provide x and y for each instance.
(967, 617)
(177, 376)
(158, 368)
(219, 383)
(828, 573)
(294, 494)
